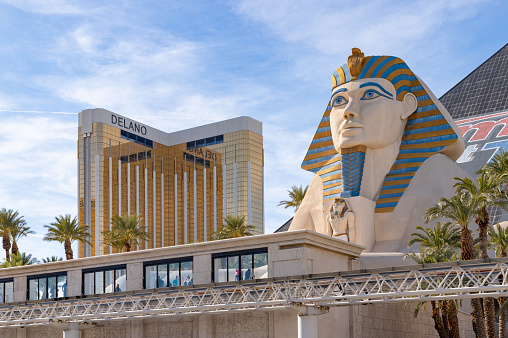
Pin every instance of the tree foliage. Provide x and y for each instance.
(19, 259)
(296, 196)
(125, 232)
(235, 227)
(66, 230)
(9, 220)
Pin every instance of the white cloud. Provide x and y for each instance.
(331, 26)
(319, 35)
(38, 167)
(47, 6)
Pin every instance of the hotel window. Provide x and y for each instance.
(240, 265)
(6, 290)
(47, 286)
(104, 280)
(136, 138)
(167, 273)
(205, 142)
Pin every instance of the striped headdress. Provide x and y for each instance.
(427, 132)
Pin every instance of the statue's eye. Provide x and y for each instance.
(370, 94)
(339, 101)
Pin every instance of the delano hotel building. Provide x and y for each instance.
(180, 184)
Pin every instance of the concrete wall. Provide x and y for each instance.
(380, 320)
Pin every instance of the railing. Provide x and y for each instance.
(466, 279)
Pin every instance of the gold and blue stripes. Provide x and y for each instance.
(426, 133)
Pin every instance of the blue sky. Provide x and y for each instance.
(179, 64)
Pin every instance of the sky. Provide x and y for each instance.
(180, 64)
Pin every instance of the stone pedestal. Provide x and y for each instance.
(363, 209)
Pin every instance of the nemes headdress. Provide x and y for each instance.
(429, 130)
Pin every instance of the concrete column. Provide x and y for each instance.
(185, 208)
(97, 208)
(307, 326)
(308, 319)
(72, 333)
(136, 328)
(195, 208)
(20, 332)
(203, 326)
(120, 187)
(128, 185)
(176, 209)
(205, 234)
(110, 183)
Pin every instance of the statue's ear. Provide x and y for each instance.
(409, 105)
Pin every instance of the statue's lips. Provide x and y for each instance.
(350, 127)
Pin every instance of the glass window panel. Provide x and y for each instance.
(220, 270)
(120, 280)
(9, 292)
(186, 273)
(162, 275)
(260, 265)
(99, 282)
(233, 268)
(42, 288)
(151, 277)
(174, 274)
(62, 286)
(51, 287)
(89, 283)
(2, 300)
(109, 276)
(247, 267)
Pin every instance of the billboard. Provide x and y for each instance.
(484, 136)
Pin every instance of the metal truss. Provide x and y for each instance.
(466, 279)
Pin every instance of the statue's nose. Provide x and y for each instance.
(351, 110)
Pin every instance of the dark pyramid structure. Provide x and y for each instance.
(484, 90)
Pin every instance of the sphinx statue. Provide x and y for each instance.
(383, 153)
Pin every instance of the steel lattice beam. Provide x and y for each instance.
(438, 281)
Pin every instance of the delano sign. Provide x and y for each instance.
(128, 124)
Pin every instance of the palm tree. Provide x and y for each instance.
(8, 220)
(19, 230)
(125, 232)
(461, 209)
(66, 230)
(19, 259)
(499, 242)
(438, 244)
(296, 196)
(486, 193)
(52, 259)
(235, 227)
(498, 166)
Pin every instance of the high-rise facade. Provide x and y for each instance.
(180, 184)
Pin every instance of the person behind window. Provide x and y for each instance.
(175, 281)
(187, 280)
(248, 273)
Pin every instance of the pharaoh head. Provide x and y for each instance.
(377, 101)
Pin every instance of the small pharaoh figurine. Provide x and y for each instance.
(341, 220)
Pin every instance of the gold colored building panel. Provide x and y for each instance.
(130, 193)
